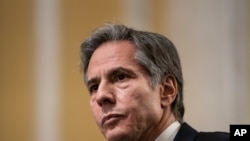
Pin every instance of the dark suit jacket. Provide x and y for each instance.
(187, 133)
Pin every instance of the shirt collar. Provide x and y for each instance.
(169, 133)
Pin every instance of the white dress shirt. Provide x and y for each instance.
(169, 133)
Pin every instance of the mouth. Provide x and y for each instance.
(111, 119)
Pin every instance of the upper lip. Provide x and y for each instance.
(109, 116)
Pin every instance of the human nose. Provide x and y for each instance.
(105, 95)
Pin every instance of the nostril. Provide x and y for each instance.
(107, 100)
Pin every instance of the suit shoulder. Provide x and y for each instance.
(212, 136)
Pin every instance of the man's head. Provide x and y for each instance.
(135, 81)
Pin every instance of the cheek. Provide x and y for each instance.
(96, 112)
(145, 97)
(139, 101)
(145, 102)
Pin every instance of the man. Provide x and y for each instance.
(135, 84)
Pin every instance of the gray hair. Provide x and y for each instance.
(155, 53)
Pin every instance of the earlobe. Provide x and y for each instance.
(168, 91)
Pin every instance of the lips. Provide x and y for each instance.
(110, 119)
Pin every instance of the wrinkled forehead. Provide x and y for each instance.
(115, 50)
(112, 54)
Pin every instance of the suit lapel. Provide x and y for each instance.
(186, 133)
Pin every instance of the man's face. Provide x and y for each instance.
(124, 105)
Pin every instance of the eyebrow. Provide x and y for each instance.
(92, 81)
(111, 73)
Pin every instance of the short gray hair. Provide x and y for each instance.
(155, 53)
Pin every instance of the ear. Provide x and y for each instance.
(169, 91)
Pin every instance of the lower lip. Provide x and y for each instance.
(112, 121)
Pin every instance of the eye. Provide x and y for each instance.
(121, 77)
(93, 88)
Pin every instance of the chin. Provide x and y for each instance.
(120, 134)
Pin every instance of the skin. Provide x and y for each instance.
(124, 104)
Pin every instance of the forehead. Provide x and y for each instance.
(114, 48)
(112, 54)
